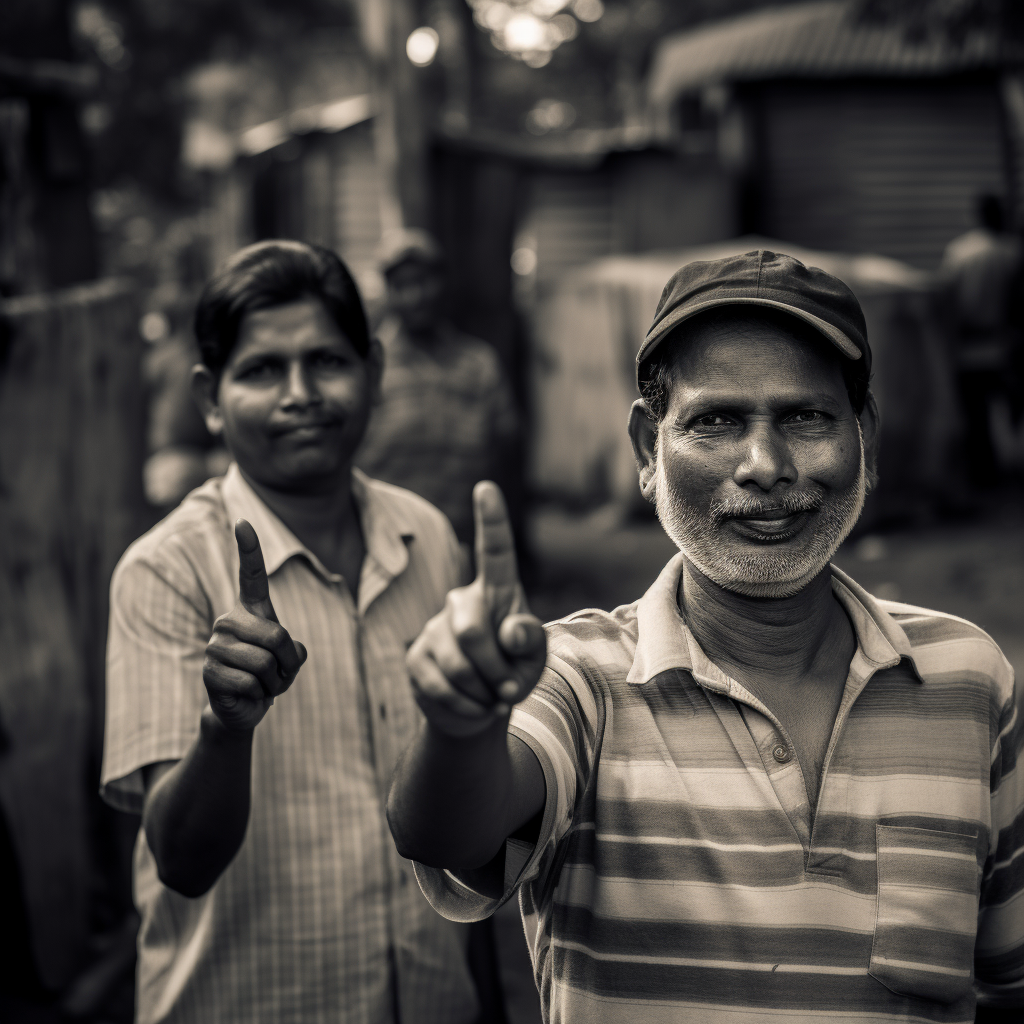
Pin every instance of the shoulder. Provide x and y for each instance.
(192, 538)
(593, 641)
(967, 246)
(476, 356)
(415, 516)
(946, 646)
(405, 504)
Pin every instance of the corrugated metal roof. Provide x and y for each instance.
(813, 40)
(323, 117)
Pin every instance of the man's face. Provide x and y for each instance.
(293, 401)
(759, 470)
(414, 293)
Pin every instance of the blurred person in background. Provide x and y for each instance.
(978, 279)
(446, 417)
(758, 792)
(445, 420)
(268, 885)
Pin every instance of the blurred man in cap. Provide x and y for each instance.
(757, 792)
(979, 272)
(446, 416)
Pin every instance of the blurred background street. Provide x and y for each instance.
(566, 156)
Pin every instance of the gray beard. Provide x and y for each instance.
(771, 571)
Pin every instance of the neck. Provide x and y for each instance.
(768, 639)
(320, 517)
(424, 335)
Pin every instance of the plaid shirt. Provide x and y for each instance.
(317, 919)
(680, 873)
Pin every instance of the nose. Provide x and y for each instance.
(300, 391)
(766, 460)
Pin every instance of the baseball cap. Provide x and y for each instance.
(404, 244)
(762, 278)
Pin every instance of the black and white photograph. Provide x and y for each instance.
(511, 511)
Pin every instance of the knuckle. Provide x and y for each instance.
(471, 631)
(265, 662)
(277, 635)
(211, 666)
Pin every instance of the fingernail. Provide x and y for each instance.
(508, 690)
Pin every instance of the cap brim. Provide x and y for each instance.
(678, 316)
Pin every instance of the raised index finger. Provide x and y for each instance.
(253, 586)
(495, 547)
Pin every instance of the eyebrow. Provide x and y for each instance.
(703, 400)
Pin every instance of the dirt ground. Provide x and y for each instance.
(974, 569)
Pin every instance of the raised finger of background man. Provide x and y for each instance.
(253, 585)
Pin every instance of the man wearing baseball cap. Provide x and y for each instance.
(757, 792)
(446, 415)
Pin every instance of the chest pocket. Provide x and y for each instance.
(927, 912)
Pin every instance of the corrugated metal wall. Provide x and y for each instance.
(891, 167)
(569, 221)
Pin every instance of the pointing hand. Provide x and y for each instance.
(484, 651)
(250, 658)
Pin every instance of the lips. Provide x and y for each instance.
(309, 430)
(771, 524)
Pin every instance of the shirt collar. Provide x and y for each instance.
(665, 642)
(386, 529)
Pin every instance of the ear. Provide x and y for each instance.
(870, 429)
(643, 433)
(203, 385)
(375, 369)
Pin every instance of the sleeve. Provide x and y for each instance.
(999, 950)
(558, 721)
(156, 643)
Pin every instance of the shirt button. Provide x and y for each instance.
(780, 753)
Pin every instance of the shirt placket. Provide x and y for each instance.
(778, 758)
(832, 799)
(377, 715)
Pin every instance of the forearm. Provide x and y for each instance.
(454, 801)
(196, 815)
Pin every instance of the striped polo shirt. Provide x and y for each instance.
(681, 875)
(317, 920)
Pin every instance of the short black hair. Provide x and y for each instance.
(656, 372)
(273, 273)
(991, 211)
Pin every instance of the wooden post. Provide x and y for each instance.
(401, 120)
(71, 447)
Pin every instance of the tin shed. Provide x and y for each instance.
(842, 135)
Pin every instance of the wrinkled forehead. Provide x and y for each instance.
(750, 352)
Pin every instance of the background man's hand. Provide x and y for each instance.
(250, 658)
(484, 651)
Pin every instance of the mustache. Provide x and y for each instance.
(298, 422)
(757, 508)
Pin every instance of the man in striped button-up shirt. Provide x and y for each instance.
(269, 887)
(757, 793)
